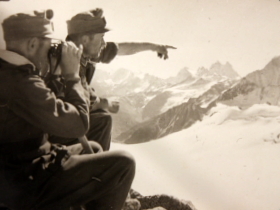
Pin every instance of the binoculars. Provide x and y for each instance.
(55, 53)
(55, 50)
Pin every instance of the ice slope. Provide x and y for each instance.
(228, 161)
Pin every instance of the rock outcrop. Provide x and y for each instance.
(137, 201)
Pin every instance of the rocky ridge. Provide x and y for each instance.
(136, 201)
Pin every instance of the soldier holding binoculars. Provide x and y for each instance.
(35, 173)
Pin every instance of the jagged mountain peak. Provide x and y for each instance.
(202, 71)
(224, 70)
(258, 87)
(273, 66)
(275, 61)
(184, 72)
(184, 75)
(217, 63)
(217, 71)
(268, 76)
(121, 73)
(202, 68)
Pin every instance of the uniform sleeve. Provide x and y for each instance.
(39, 106)
(109, 52)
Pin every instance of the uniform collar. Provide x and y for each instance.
(84, 61)
(15, 58)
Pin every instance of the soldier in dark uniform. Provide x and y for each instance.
(34, 173)
(88, 29)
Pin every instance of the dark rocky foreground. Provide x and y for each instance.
(137, 201)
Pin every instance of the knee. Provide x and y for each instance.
(102, 119)
(126, 160)
(104, 116)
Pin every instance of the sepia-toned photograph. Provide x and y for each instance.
(139, 105)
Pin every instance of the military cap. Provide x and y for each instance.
(89, 21)
(24, 25)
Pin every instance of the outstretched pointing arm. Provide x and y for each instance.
(130, 48)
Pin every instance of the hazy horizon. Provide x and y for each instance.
(244, 33)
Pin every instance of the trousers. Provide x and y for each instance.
(99, 131)
(99, 181)
(100, 128)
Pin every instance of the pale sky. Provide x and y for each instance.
(246, 33)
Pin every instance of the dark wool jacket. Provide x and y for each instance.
(29, 110)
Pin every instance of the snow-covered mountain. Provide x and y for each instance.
(233, 135)
(258, 87)
(228, 161)
(123, 82)
(175, 96)
(175, 107)
(217, 71)
(184, 75)
(189, 86)
(175, 118)
(132, 90)
(146, 99)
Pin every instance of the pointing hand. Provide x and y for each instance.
(162, 51)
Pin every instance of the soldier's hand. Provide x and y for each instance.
(107, 104)
(113, 106)
(162, 51)
(70, 60)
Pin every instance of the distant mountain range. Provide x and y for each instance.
(152, 107)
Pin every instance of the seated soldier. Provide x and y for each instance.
(88, 29)
(34, 173)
